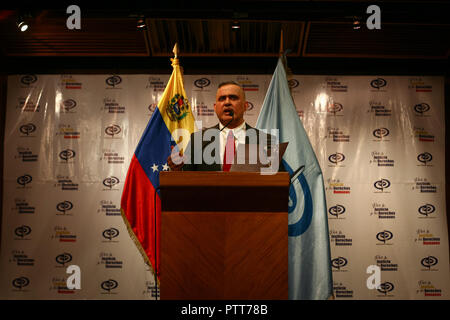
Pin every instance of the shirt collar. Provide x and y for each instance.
(235, 130)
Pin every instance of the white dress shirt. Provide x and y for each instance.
(239, 137)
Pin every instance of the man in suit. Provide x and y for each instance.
(213, 149)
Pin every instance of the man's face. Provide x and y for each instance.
(230, 97)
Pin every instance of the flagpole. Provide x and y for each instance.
(281, 43)
(174, 61)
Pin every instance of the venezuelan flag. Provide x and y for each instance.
(138, 203)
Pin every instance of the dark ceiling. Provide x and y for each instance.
(311, 29)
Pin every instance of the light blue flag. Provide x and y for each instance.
(309, 247)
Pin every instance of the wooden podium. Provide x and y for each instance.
(224, 235)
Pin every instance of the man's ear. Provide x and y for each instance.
(245, 106)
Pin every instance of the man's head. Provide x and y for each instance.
(230, 96)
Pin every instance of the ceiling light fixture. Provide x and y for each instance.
(140, 24)
(22, 25)
(356, 23)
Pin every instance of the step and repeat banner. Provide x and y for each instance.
(69, 140)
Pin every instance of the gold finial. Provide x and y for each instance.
(175, 58)
(175, 50)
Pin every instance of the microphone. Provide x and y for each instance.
(232, 118)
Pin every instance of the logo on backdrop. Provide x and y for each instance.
(429, 262)
(378, 84)
(293, 83)
(156, 84)
(65, 183)
(426, 209)
(382, 185)
(247, 84)
(64, 207)
(338, 135)
(419, 85)
(152, 107)
(384, 237)
(424, 186)
(108, 286)
(340, 239)
(427, 238)
(339, 263)
(422, 108)
(27, 129)
(63, 258)
(24, 180)
(109, 261)
(59, 284)
(20, 283)
(66, 155)
(337, 211)
(22, 232)
(202, 109)
(425, 158)
(63, 234)
(381, 159)
(21, 258)
(23, 207)
(110, 105)
(112, 157)
(381, 134)
(386, 288)
(113, 81)
(68, 132)
(335, 159)
(113, 130)
(67, 105)
(335, 85)
(27, 105)
(202, 83)
(423, 135)
(383, 212)
(150, 289)
(26, 155)
(69, 82)
(379, 109)
(110, 234)
(385, 263)
(335, 108)
(28, 79)
(427, 289)
(337, 186)
(110, 182)
(341, 290)
(109, 208)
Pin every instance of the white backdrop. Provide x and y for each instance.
(69, 140)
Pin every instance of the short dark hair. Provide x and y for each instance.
(228, 83)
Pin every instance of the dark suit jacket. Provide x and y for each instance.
(217, 165)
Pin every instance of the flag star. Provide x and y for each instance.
(165, 167)
(154, 167)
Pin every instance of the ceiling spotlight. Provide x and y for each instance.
(22, 25)
(356, 23)
(235, 25)
(140, 24)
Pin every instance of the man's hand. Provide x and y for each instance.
(175, 160)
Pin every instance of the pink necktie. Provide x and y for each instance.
(228, 155)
